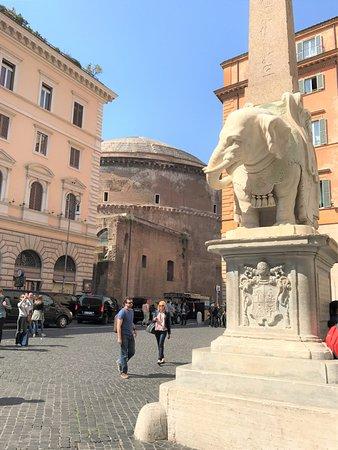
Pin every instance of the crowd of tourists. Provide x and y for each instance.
(30, 317)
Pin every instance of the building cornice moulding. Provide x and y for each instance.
(46, 52)
(107, 161)
(104, 208)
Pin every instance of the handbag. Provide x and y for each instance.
(151, 328)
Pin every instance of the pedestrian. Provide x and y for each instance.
(126, 334)
(4, 306)
(184, 313)
(25, 309)
(162, 329)
(37, 316)
(145, 310)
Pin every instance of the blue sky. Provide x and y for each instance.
(161, 57)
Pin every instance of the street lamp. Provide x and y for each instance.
(69, 204)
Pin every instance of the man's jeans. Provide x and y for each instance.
(160, 337)
(21, 328)
(127, 351)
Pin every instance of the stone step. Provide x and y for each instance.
(281, 390)
(316, 371)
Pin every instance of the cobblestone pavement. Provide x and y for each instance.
(64, 392)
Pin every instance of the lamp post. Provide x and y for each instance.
(76, 204)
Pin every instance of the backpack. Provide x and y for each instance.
(331, 340)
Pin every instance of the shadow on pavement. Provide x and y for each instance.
(152, 375)
(9, 401)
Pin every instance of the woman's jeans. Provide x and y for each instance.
(35, 326)
(127, 351)
(160, 337)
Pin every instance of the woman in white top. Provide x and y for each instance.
(25, 310)
(162, 329)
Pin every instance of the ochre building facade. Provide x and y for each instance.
(155, 214)
(317, 56)
(50, 137)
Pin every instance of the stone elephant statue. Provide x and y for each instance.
(269, 158)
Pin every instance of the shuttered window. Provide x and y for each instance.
(78, 114)
(35, 196)
(41, 143)
(325, 194)
(4, 126)
(7, 74)
(309, 47)
(319, 135)
(74, 158)
(313, 84)
(46, 97)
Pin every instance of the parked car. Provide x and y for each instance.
(137, 305)
(96, 308)
(67, 300)
(54, 312)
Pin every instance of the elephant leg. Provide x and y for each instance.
(286, 194)
(249, 215)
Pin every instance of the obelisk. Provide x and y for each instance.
(272, 51)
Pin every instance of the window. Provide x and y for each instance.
(325, 194)
(144, 261)
(46, 97)
(35, 196)
(319, 136)
(7, 74)
(312, 84)
(170, 270)
(105, 196)
(4, 126)
(41, 143)
(78, 114)
(157, 198)
(215, 209)
(310, 47)
(72, 206)
(74, 158)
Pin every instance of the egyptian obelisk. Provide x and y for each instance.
(272, 52)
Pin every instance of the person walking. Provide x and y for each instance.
(145, 310)
(184, 313)
(126, 334)
(4, 306)
(25, 309)
(162, 329)
(37, 316)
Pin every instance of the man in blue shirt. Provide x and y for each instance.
(126, 334)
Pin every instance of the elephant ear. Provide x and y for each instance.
(277, 134)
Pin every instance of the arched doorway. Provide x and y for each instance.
(29, 262)
(69, 275)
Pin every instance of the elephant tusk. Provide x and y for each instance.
(217, 168)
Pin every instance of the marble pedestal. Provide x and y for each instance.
(269, 382)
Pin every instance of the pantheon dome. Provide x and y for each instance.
(155, 211)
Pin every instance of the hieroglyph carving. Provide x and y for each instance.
(265, 294)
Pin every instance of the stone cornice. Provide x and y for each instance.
(45, 51)
(105, 209)
(318, 61)
(107, 161)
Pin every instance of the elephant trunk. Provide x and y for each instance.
(214, 181)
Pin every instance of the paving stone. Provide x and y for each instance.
(64, 391)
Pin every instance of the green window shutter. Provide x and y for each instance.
(320, 81)
(301, 86)
(300, 51)
(323, 134)
(325, 193)
(319, 45)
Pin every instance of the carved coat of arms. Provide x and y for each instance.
(265, 295)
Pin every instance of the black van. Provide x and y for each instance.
(54, 313)
(96, 308)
